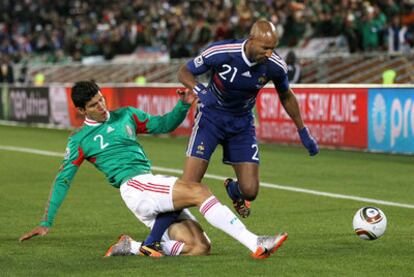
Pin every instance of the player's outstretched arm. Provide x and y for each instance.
(59, 190)
(186, 77)
(290, 103)
(38, 231)
(163, 124)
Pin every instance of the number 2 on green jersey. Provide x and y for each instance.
(100, 138)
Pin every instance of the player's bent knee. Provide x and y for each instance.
(249, 193)
(201, 192)
(250, 197)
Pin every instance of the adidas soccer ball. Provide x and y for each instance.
(369, 223)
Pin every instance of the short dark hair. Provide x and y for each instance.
(83, 91)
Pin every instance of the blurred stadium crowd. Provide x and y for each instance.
(62, 31)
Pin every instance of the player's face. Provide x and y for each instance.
(262, 48)
(95, 108)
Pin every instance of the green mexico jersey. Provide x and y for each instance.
(112, 148)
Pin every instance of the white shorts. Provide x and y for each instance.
(148, 195)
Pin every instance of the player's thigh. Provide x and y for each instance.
(204, 138)
(194, 169)
(241, 147)
(189, 194)
(148, 195)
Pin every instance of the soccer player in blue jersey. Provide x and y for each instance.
(239, 69)
(108, 140)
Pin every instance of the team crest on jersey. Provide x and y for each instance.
(200, 149)
(129, 131)
(67, 153)
(198, 61)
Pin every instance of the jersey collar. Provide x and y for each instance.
(91, 122)
(246, 60)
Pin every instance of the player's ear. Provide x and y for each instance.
(82, 111)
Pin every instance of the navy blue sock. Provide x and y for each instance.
(162, 222)
(233, 190)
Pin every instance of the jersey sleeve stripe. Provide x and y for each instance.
(141, 126)
(92, 159)
(80, 158)
(222, 51)
(222, 47)
(197, 89)
(280, 63)
(279, 59)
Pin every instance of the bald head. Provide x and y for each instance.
(263, 29)
(262, 41)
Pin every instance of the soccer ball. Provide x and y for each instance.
(369, 223)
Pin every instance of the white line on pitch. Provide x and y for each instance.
(217, 177)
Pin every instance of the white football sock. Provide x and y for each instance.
(172, 247)
(224, 219)
(135, 245)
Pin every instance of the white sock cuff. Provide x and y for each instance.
(208, 203)
(172, 247)
(135, 245)
(177, 248)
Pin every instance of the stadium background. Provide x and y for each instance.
(133, 49)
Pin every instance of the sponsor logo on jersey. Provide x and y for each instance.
(247, 74)
(109, 129)
(198, 61)
(129, 130)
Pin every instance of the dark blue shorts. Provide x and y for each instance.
(236, 134)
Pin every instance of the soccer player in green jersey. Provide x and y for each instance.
(108, 140)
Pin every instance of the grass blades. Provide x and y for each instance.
(321, 240)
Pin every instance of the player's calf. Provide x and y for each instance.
(241, 205)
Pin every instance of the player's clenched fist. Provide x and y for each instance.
(186, 95)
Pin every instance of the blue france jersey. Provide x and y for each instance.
(235, 81)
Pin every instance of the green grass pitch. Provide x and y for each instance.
(321, 240)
